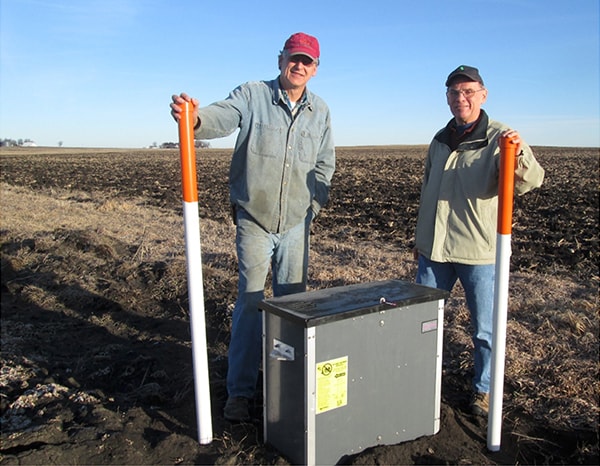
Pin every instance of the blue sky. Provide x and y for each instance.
(100, 73)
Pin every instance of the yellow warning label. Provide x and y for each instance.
(332, 384)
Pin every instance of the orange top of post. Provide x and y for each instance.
(187, 150)
(506, 184)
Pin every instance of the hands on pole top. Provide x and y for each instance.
(177, 110)
(514, 138)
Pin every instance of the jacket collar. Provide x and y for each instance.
(475, 138)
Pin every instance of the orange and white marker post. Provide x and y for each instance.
(506, 185)
(194, 274)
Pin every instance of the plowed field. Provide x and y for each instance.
(96, 346)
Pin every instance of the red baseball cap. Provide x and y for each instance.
(302, 44)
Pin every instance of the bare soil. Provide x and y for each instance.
(96, 346)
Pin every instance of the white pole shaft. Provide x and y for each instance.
(197, 321)
(503, 253)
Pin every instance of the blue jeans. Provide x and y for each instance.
(478, 283)
(286, 254)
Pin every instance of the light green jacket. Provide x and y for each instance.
(457, 219)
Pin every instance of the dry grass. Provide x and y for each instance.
(552, 367)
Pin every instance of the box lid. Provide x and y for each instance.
(314, 308)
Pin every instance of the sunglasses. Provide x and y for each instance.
(305, 60)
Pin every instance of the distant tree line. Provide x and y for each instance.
(165, 145)
(174, 145)
(12, 142)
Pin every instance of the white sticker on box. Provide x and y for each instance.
(429, 326)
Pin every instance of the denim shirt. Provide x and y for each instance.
(282, 164)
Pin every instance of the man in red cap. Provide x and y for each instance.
(279, 179)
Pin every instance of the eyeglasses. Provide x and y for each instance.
(468, 93)
(304, 59)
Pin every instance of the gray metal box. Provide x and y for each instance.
(351, 367)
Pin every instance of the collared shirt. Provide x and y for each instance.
(294, 106)
(458, 210)
(283, 162)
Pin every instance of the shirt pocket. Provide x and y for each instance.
(267, 140)
(308, 146)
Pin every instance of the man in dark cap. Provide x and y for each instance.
(279, 179)
(455, 237)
